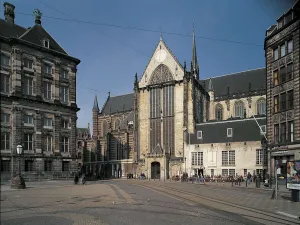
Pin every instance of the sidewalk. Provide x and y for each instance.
(5, 186)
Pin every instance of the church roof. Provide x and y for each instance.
(237, 83)
(118, 104)
(216, 132)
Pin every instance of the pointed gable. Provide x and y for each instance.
(37, 34)
(162, 59)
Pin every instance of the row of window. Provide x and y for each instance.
(29, 166)
(239, 109)
(29, 139)
(228, 158)
(28, 88)
(28, 120)
(284, 132)
(284, 101)
(229, 132)
(28, 63)
(285, 74)
(283, 49)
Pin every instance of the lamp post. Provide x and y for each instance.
(18, 182)
(185, 164)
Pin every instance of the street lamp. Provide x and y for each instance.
(185, 164)
(18, 182)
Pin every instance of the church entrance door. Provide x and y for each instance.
(155, 170)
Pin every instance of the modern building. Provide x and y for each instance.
(283, 88)
(38, 100)
(156, 130)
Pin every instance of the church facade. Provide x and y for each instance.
(174, 122)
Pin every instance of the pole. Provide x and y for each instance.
(20, 164)
(276, 181)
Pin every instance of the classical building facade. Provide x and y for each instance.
(283, 88)
(38, 99)
(153, 130)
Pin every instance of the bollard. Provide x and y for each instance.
(232, 183)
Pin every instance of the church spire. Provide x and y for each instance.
(96, 107)
(194, 57)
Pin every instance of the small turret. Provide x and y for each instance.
(96, 107)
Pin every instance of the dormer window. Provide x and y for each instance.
(229, 132)
(280, 23)
(46, 43)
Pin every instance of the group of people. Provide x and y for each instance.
(79, 177)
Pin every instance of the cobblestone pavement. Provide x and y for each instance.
(241, 197)
(118, 202)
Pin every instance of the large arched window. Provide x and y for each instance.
(160, 75)
(261, 106)
(104, 128)
(239, 109)
(117, 124)
(219, 112)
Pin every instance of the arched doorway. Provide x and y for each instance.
(155, 170)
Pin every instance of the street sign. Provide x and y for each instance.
(293, 175)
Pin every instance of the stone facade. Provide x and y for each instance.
(167, 105)
(283, 89)
(35, 112)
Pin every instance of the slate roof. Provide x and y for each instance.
(118, 104)
(216, 132)
(124, 123)
(34, 35)
(237, 82)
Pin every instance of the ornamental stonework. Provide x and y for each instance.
(282, 61)
(161, 74)
(290, 115)
(289, 58)
(282, 33)
(276, 118)
(283, 117)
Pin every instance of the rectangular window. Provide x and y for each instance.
(5, 60)
(47, 122)
(265, 157)
(197, 158)
(64, 144)
(5, 141)
(275, 78)
(291, 131)
(290, 46)
(48, 165)
(5, 165)
(47, 69)
(28, 119)
(229, 132)
(28, 143)
(276, 133)
(276, 106)
(283, 74)
(212, 172)
(283, 132)
(28, 86)
(288, 17)
(199, 134)
(65, 166)
(275, 53)
(224, 172)
(64, 74)
(5, 118)
(47, 90)
(231, 161)
(64, 94)
(290, 99)
(280, 23)
(282, 50)
(28, 165)
(245, 172)
(263, 129)
(231, 172)
(283, 101)
(259, 156)
(65, 124)
(4, 83)
(289, 75)
(224, 158)
(28, 63)
(48, 143)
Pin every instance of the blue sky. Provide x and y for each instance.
(107, 64)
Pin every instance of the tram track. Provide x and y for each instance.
(247, 212)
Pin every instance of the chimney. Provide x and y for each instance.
(9, 12)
